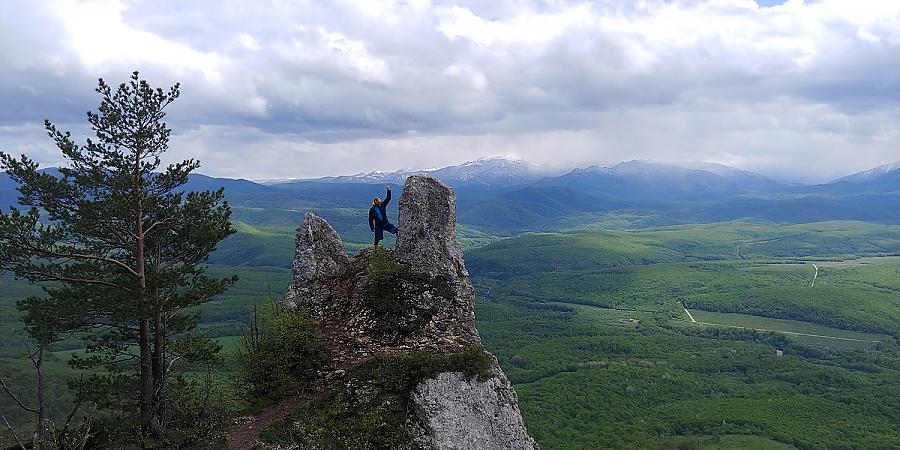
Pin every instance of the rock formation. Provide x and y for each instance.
(417, 298)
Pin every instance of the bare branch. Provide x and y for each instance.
(75, 408)
(11, 430)
(85, 436)
(16, 399)
(88, 257)
(156, 225)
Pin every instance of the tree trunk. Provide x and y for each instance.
(148, 409)
(146, 373)
(159, 368)
(44, 437)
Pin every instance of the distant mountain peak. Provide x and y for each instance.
(508, 157)
(497, 170)
(870, 174)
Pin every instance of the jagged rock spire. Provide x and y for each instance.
(319, 253)
(427, 224)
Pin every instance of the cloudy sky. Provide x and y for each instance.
(285, 89)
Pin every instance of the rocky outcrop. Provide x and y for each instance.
(417, 298)
(427, 224)
(459, 413)
(319, 255)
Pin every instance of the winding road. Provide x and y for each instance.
(816, 275)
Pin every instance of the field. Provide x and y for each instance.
(801, 331)
(589, 326)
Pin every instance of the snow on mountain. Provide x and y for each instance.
(870, 175)
(489, 171)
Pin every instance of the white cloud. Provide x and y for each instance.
(352, 54)
(525, 28)
(249, 42)
(333, 86)
(99, 37)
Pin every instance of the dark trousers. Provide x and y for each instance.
(380, 229)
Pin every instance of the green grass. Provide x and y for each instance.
(229, 344)
(256, 246)
(654, 269)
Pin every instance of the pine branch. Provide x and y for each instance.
(45, 276)
(96, 258)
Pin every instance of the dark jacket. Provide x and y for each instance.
(374, 220)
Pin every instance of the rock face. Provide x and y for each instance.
(418, 298)
(462, 414)
(427, 224)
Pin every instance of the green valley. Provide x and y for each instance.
(589, 326)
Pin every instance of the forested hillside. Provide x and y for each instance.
(601, 313)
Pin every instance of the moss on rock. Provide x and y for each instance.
(394, 292)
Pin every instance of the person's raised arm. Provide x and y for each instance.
(387, 198)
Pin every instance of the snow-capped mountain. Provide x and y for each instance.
(375, 177)
(498, 171)
(491, 171)
(870, 175)
(654, 181)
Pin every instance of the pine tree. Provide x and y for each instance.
(119, 248)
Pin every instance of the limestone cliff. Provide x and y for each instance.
(415, 300)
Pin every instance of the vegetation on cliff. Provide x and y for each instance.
(372, 406)
(394, 292)
(279, 355)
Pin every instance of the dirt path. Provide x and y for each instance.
(688, 313)
(243, 434)
(816, 275)
(792, 333)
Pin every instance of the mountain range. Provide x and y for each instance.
(492, 171)
(508, 195)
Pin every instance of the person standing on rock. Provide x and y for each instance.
(378, 220)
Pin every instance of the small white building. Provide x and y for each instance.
(779, 353)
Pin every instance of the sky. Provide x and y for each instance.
(805, 91)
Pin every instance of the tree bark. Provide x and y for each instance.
(44, 437)
(146, 373)
(159, 368)
(148, 410)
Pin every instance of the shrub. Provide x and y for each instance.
(280, 356)
(202, 408)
